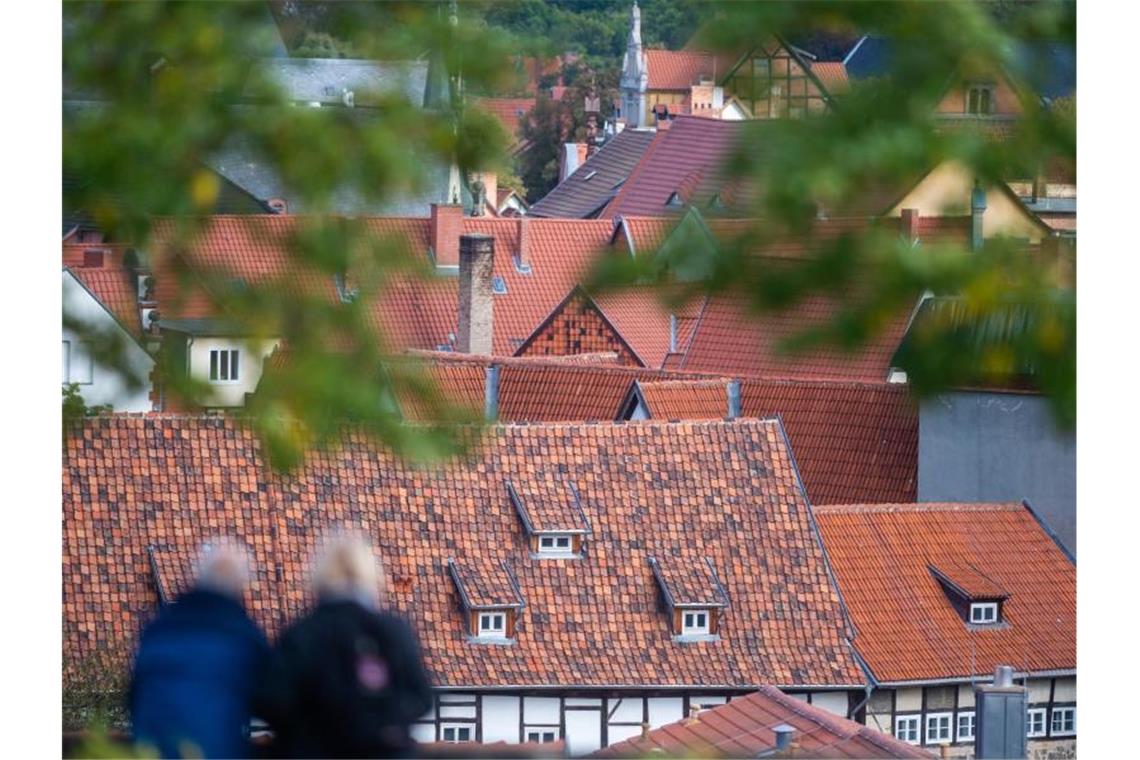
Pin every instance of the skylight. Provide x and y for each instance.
(499, 285)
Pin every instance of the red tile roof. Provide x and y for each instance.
(832, 75)
(117, 291)
(681, 69)
(509, 111)
(908, 628)
(852, 441)
(126, 488)
(745, 728)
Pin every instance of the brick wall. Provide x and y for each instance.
(578, 329)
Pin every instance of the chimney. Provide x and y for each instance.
(522, 256)
(977, 215)
(733, 399)
(476, 301)
(446, 227)
(784, 736)
(909, 223)
(93, 258)
(694, 712)
(491, 393)
(1001, 717)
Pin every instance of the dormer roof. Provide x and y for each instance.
(485, 585)
(967, 581)
(547, 503)
(688, 582)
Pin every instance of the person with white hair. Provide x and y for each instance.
(347, 680)
(197, 664)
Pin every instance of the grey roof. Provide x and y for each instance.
(585, 193)
(201, 327)
(325, 80)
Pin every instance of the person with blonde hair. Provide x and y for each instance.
(347, 679)
(192, 685)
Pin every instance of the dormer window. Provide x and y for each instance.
(555, 543)
(693, 597)
(675, 200)
(551, 514)
(695, 622)
(492, 624)
(984, 613)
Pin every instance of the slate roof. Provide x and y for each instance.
(130, 482)
(582, 198)
(323, 80)
(908, 628)
(852, 441)
(745, 727)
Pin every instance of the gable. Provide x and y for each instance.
(773, 82)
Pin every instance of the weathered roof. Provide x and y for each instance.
(585, 192)
(745, 727)
(592, 621)
(111, 284)
(908, 627)
(325, 80)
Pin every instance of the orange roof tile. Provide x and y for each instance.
(908, 628)
(509, 111)
(116, 290)
(745, 728)
(646, 488)
(681, 69)
(832, 75)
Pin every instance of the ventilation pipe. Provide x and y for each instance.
(733, 399)
(977, 216)
(784, 736)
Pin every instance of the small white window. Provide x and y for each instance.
(965, 726)
(541, 736)
(938, 728)
(492, 624)
(983, 613)
(1036, 722)
(554, 543)
(224, 365)
(694, 622)
(1063, 722)
(456, 734)
(78, 363)
(906, 728)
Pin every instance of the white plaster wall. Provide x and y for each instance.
(1066, 690)
(583, 731)
(834, 702)
(253, 354)
(907, 700)
(617, 734)
(965, 695)
(501, 719)
(108, 385)
(664, 710)
(541, 710)
(423, 732)
(627, 710)
(1039, 689)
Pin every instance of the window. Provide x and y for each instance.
(554, 543)
(1063, 722)
(906, 728)
(965, 726)
(492, 624)
(675, 201)
(456, 734)
(223, 365)
(979, 100)
(937, 728)
(1036, 722)
(983, 613)
(693, 623)
(78, 364)
(541, 736)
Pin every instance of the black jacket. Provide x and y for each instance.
(345, 682)
(194, 677)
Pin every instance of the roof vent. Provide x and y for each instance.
(784, 735)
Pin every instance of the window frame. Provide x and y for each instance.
(489, 631)
(555, 539)
(928, 718)
(540, 732)
(917, 723)
(456, 727)
(982, 607)
(958, 735)
(696, 629)
(233, 366)
(1053, 711)
(1044, 713)
(974, 104)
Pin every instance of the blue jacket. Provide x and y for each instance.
(194, 676)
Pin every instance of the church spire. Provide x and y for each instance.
(634, 73)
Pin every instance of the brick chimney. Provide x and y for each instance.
(476, 300)
(908, 223)
(446, 227)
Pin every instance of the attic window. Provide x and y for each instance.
(695, 622)
(980, 100)
(555, 543)
(499, 285)
(984, 613)
(589, 176)
(521, 266)
(492, 624)
(675, 200)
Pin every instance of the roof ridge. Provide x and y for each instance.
(917, 507)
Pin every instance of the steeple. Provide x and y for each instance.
(634, 73)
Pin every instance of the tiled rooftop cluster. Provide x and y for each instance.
(682, 492)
